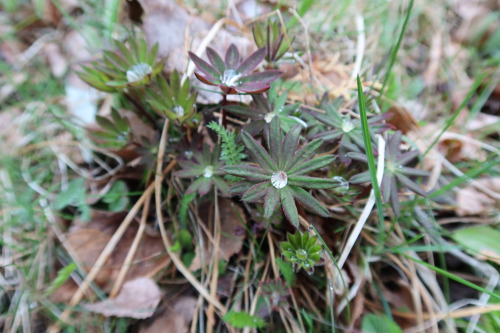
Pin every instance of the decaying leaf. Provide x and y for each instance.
(471, 201)
(137, 299)
(174, 319)
(88, 240)
(232, 217)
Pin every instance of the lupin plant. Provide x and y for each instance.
(302, 250)
(173, 99)
(345, 130)
(269, 35)
(233, 74)
(131, 65)
(280, 176)
(272, 154)
(395, 171)
(205, 168)
(264, 109)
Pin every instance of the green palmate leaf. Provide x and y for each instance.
(257, 192)
(258, 153)
(205, 67)
(304, 153)
(252, 61)
(289, 208)
(216, 60)
(312, 182)
(248, 171)
(271, 202)
(232, 58)
(243, 320)
(290, 144)
(311, 165)
(306, 199)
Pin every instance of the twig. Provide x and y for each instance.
(360, 46)
(176, 260)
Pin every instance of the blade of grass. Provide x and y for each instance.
(452, 276)
(457, 112)
(394, 52)
(371, 159)
(110, 16)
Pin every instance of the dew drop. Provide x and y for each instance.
(138, 72)
(178, 110)
(279, 179)
(268, 117)
(208, 171)
(230, 78)
(343, 185)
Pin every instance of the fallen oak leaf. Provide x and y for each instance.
(137, 299)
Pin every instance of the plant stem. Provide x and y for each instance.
(223, 111)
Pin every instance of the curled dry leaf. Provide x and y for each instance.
(174, 319)
(231, 240)
(137, 299)
(471, 201)
(87, 240)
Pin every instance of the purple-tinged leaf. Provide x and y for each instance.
(248, 171)
(255, 88)
(395, 198)
(290, 144)
(257, 192)
(312, 182)
(252, 61)
(221, 185)
(412, 171)
(306, 199)
(358, 157)
(216, 60)
(407, 157)
(304, 153)
(196, 185)
(329, 135)
(262, 77)
(258, 153)
(393, 144)
(206, 185)
(207, 69)
(189, 173)
(240, 188)
(204, 79)
(360, 178)
(408, 183)
(271, 201)
(288, 205)
(311, 165)
(386, 186)
(262, 103)
(274, 139)
(232, 57)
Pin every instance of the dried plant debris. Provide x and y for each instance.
(222, 176)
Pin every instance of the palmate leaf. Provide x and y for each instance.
(281, 173)
(395, 172)
(232, 74)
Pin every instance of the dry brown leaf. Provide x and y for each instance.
(137, 299)
(231, 216)
(402, 119)
(88, 239)
(175, 319)
(57, 62)
(482, 120)
(471, 201)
